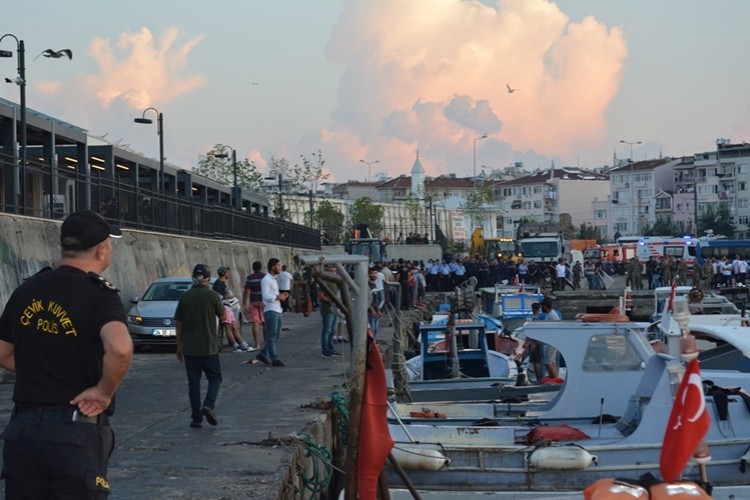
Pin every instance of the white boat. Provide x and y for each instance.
(501, 458)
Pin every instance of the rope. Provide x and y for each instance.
(340, 405)
(318, 481)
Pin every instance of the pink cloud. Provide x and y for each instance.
(141, 70)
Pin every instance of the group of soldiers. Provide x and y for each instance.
(662, 271)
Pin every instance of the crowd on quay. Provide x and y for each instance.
(713, 274)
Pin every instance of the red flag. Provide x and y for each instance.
(375, 441)
(688, 424)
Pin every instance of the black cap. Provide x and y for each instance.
(201, 272)
(222, 271)
(83, 230)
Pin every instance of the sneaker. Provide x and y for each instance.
(278, 362)
(263, 358)
(335, 353)
(251, 349)
(195, 424)
(239, 348)
(325, 355)
(210, 415)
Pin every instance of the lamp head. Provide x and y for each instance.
(218, 155)
(143, 120)
(6, 53)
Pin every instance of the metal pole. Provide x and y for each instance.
(22, 84)
(234, 167)
(160, 123)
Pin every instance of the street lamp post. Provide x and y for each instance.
(160, 132)
(236, 198)
(369, 165)
(21, 81)
(484, 136)
(632, 182)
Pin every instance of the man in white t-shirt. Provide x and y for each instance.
(378, 280)
(561, 272)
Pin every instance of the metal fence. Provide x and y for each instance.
(137, 207)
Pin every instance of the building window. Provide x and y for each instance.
(743, 219)
(600, 214)
(538, 204)
(526, 205)
(742, 186)
(620, 226)
(742, 203)
(537, 189)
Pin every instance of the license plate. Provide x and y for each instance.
(163, 332)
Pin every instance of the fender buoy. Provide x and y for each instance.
(678, 491)
(695, 294)
(603, 318)
(417, 458)
(561, 458)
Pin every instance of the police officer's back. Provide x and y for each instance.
(64, 333)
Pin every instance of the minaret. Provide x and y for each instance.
(417, 179)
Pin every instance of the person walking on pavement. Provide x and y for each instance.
(329, 317)
(285, 286)
(272, 299)
(64, 334)
(232, 304)
(252, 302)
(198, 343)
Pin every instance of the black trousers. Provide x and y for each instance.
(51, 457)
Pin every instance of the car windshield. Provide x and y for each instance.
(165, 291)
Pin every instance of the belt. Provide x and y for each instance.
(58, 414)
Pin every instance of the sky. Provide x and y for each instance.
(379, 80)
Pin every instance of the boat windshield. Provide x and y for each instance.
(612, 353)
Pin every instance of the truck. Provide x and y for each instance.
(363, 243)
(544, 246)
(492, 248)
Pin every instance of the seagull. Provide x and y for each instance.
(510, 90)
(56, 54)
(254, 83)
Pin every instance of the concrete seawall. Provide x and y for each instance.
(28, 244)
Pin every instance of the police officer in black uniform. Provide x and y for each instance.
(63, 332)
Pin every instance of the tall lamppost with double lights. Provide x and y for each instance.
(236, 197)
(160, 132)
(369, 165)
(484, 136)
(632, 182)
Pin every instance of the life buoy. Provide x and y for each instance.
(695, 294)
(603, 318)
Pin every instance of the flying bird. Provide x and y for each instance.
(254, 83)
(56, 54)
(510, 90)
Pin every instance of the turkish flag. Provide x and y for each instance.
(375, 441)
(688, 424)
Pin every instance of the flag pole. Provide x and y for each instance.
(689, 352)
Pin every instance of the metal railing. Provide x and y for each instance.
(138, 207)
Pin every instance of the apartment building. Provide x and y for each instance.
(723, 176)
(545, 195)
(633, 194)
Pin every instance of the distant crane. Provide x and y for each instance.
(510, 90)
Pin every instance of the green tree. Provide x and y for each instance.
(364, 211)
(589, 232)
(416, 212)
(281, 172)
(221, 170)
(330, 220)
(719, 221)
(475, 205)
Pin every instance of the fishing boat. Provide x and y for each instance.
(598, 357)
(575, 453)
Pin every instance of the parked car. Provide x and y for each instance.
(151, 319)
